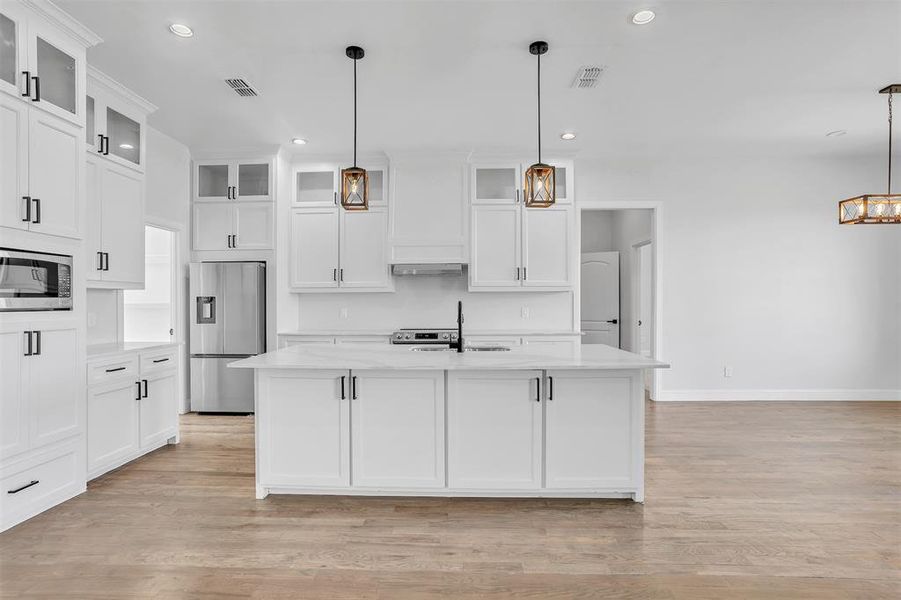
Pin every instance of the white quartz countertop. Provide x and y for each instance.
(467, 333)
(98, 350)
(359, 356)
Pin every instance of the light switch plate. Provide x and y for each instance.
(727, 371)
(525, 312)
(343, 312)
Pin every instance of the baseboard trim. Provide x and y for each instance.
(816, 395)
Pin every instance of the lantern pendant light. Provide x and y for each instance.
(874, 209)
(354, 180)
(541, 179)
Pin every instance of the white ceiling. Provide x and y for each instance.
(705, 77)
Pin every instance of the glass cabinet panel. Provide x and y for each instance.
(560, 187)
(56, 70)
(315, 187)
(212, 181)
(253, 180)
(124, 136)
(496, 184)
(8, 50)
(376, 187)
(90, 127)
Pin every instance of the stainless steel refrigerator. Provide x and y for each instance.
(228, 322)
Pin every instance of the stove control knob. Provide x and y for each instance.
(453, 336)
(444, 336)
(406, 336)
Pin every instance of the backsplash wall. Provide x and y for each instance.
(424, 301)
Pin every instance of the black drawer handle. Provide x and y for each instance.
(24, 487)
(116, 369)
(159, 360)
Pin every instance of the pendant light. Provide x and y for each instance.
(541, 179)
(875, 208)
(354, 180)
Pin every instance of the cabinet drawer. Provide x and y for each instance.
(33, 489)
(111, 369)
(158, 360)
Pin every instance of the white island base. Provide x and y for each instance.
(392, 422)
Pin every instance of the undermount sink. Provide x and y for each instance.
(431, 349)
(488, 349)
(468, 349)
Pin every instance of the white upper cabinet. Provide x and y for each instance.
(363, 250)
(213, 226)
(246, 180)
(13, 61)
(496, 246)
(115, 121)
(314, 248)
(496, 184)
(14, 201)
(253, 226)
(547, 247)
(319, 184)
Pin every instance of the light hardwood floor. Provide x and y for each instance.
(744, 500)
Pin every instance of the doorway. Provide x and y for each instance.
(150, 314)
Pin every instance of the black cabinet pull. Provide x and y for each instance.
(525, 274)
(517, 273)
(550, 388)
(27, 93)
(30, 350)
(234, 192)
(538, 389)
(100, 261)
(27, 200)
(145, 388)
(37, 89)
(340, 274)
(37, 345)
(116, 369)
(614, 321)
(104, 144)
(138, 383)
(336, 198)
(37, 210)
(234, 240)
(106, 261)
(100, 145)
(24, 487)
(353, 387)
(159, 360)
(343, 395)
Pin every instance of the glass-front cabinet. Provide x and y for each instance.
(115, 121)
(248, 180)
(502, 183)
(318, 184)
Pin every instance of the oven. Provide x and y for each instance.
(34, 281)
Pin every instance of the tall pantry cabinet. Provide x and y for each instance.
(42, 209)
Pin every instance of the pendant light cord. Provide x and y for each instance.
(355, 113)
(539, 108)
(890, 143)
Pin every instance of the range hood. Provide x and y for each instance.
(455, 269)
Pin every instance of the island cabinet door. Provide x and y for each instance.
(304, 428)
(397, 426)
(494, 430)
(591, 429)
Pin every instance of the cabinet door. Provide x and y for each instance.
(494, 430)
(212, 180)
(314, 248)
(254, 225)
(364, 260)
(590, 428)
(13, 163)
(546, 239)
(495, 247)
(54, 167)
(496, 184)
(126, 135)
(398, 428)
(93, 245)
(378, 186)
(304, 429)
(53, 392)
(212, 225)
(158, 408)
(254, 181)
(59, 64)
(12, 39)
(316, 186)
(122, 211)
(13, 415)
(112, 428)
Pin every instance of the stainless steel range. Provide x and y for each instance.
(424, 337)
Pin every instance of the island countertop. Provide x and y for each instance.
(400, 357)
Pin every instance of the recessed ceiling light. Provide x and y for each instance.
(181, 30)
(299, 141)
(569, 135)
(836, 133)
(643, 17)
(126, 146)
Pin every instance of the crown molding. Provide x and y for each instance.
(61, 18)
(98, 77)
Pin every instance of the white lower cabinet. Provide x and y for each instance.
(397, 428)
(494, 430)
(591, 424)
(304, 426)
(132, 409)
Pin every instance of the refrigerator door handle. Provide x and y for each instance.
(206, 309)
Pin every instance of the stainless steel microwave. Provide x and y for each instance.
(34, 281)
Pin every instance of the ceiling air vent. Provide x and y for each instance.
(587, 77)
(241, 87)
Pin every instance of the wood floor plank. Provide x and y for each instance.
(744, 500)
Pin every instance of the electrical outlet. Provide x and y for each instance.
(727, 371)
(343, 312)
(92, 319)
(525, 312)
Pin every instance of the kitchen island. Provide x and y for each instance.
(397, 421)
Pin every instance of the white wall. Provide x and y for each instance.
(597, 231)
(757, 274)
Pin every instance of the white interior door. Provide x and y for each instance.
(600, 298)
(645, 299)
